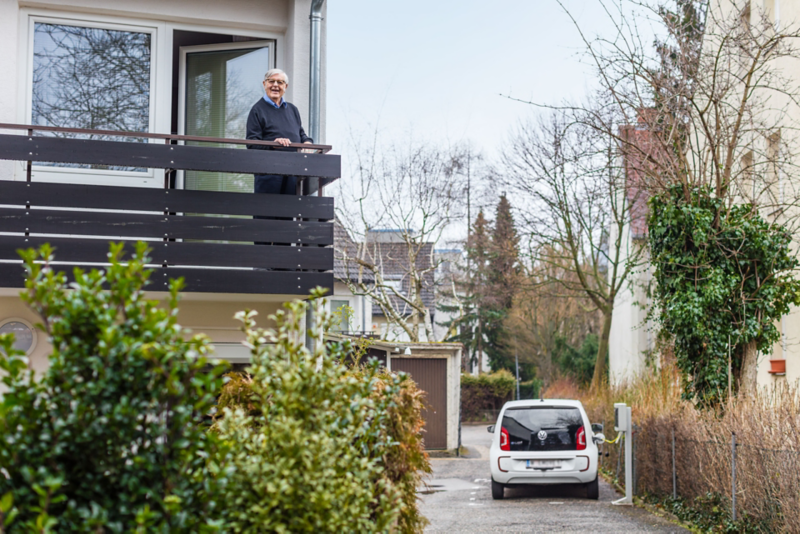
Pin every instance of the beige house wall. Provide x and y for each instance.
(214, 318)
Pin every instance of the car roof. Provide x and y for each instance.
(543, 402)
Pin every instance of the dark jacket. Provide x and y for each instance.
(268, 123)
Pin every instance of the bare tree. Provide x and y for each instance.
(716, 100)
(576, 202)
(399, 204)
(544, 313)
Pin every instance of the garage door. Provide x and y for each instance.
(430, 374)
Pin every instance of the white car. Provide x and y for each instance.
(545, 441)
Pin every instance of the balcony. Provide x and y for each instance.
(209, 238)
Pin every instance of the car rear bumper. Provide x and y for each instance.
(577, 469)
(561, 479)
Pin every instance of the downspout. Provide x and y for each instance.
(315, 71)
(314, 129)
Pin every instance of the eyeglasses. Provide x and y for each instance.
(274, 82)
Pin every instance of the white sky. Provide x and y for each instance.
(434, 69)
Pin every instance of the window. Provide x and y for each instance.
(342, 314)
(393, 284)
(548, 428)
(90, 75)
(93, 73)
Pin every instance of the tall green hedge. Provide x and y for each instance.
(483, 394)
(115, 435)
(318, 446)
(110, 437)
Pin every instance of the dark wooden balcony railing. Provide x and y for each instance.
(217, 251)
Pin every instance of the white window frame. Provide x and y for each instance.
(160, 88)
(184, 50)
(159, 105)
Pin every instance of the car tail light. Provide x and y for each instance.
(504, 440)
(580, 438)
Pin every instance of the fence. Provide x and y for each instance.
(756, 482)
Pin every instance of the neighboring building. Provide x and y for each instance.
(391, 253)
(435, 367)
(354, 312)
(631, 338)
(632, 335)
(449, 290)
(385, 267)
(157, 68)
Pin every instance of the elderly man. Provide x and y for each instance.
(274, 119)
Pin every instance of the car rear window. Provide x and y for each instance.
(545, 428)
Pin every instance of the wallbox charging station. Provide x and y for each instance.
(622, 423)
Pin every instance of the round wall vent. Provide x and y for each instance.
(24, 334)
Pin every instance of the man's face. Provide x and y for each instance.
(275, 86)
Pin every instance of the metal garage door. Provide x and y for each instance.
(430, 374)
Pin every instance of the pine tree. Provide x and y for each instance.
(503, 282)
(475, 313)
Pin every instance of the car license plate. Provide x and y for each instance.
(543, 464)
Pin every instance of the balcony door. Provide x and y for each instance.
(219, 85)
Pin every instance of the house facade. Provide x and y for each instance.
(632, 338)
(177, 78)
(353, 311)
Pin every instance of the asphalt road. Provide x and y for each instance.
(459, 499)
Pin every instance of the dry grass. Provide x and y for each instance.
(767, 431)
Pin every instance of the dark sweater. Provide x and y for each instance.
(268, 123)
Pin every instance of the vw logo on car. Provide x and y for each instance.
(542, 435)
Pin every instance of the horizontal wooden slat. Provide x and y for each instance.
(173, 200)
(161, 156)
(164, 226)
(206, 280)
(180, 253)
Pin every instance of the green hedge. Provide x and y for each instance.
(115, 436)
(483, 395)
(300, 415)
(110, 437)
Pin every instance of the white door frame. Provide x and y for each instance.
(184, 50)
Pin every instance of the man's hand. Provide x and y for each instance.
(308, 150)
(283, 141)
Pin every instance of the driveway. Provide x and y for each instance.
(459, 499)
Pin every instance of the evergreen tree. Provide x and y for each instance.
(469, 326)
(503, 279)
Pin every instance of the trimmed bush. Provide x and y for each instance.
(318, 446)
(485, 394)
(110, 437)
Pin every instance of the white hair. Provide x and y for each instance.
(273, 72)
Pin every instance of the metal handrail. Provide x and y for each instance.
(164, 137)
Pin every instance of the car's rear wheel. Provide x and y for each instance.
(593, 490)
(497, 490)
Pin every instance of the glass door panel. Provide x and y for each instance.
(221, 87)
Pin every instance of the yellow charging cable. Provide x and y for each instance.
(615, 439)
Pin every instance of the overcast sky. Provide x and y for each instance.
(435, 69)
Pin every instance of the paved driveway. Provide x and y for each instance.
(460, 500)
